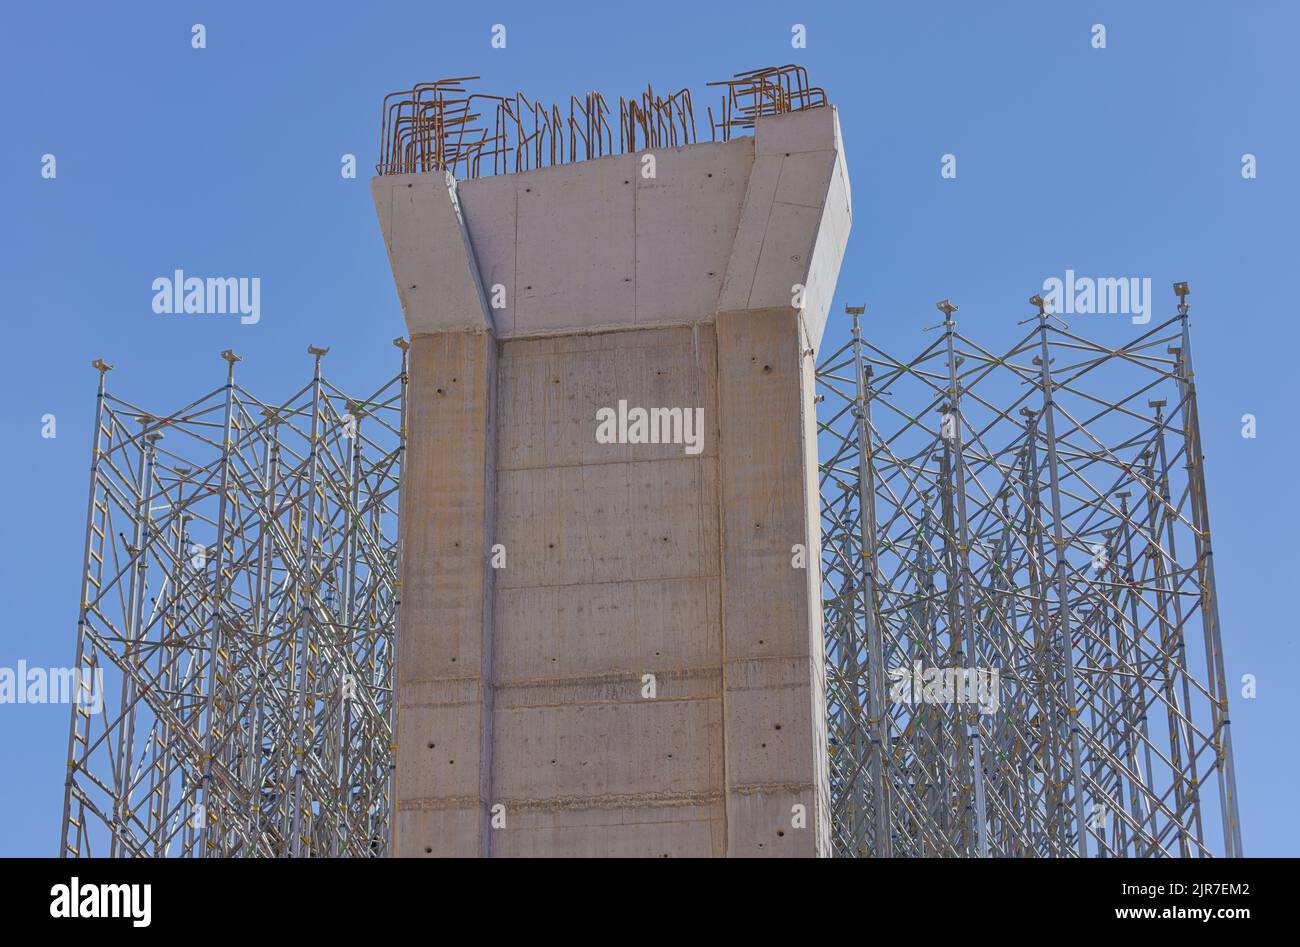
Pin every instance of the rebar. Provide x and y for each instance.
(442, 126)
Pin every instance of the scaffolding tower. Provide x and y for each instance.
(1022, 632)
(238, 611)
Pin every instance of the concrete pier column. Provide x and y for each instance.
(773, 675)
(444, 665)
(616, 636)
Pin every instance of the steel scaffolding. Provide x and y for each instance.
(238, 608)
(1021, 625)
(1034, 521)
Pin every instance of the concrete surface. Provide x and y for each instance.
(534, 301)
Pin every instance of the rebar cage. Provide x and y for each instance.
(1034, 533)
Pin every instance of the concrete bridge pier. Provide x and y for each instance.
(611, 646)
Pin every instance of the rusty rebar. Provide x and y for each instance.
(442, 126)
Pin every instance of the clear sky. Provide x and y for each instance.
(1119, 161)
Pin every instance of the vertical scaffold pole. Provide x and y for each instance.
(877, 710)
(971, 656)
(1065, 621)
(206, 794)
(1215, 672)
(97, 439)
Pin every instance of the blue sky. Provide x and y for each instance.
(1117, 161)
